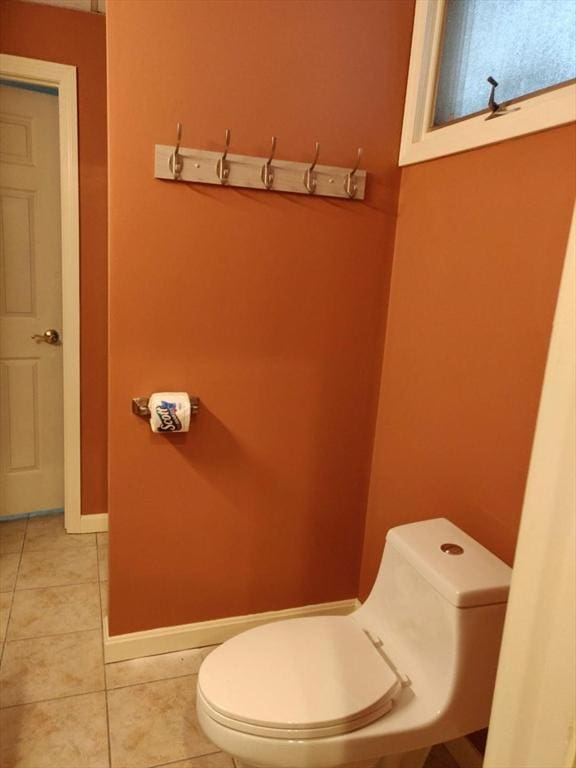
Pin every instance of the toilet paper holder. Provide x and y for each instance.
(140, 406)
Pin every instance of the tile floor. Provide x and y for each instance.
(60, 706)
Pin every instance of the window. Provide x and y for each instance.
(527, 46)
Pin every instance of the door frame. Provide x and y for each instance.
(63, 77)
(534, 707)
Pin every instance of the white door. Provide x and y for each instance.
(31, 413)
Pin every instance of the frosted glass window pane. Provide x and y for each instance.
(526, 45)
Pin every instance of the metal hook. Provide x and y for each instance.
(492, 103)
(309, 179)
(267, 171)
(496, 109)
(222, 167)
(350, 186)
(176, 161)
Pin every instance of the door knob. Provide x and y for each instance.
(50, 336)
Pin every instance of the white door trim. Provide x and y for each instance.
(63, 77)
(534, 708)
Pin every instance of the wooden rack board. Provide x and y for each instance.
(199, 165)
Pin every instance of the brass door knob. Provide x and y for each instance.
(51, 336)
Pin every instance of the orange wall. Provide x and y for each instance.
(479, 249)
(268, 306)
(77, 38)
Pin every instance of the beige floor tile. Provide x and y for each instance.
(155, 723)
(65, 733)
(149, 668)
(8, 571)
(8, 527)
(5, 603)
(104, 597)
(44, 569)
(50, 667)
(40, 526)
(102, 539)
(103, 563)
(45, 533)
(12, 536)
(54, 611)
(207, 649)
(218, 760)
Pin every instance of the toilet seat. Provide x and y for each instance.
(298, 679)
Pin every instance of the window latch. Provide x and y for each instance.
(496, 109)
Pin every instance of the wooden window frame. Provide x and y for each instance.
(421, 140)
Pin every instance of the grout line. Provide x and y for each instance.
(51, 634)
(57, 698)
(13, 594)
(56, 551)
(146, 682)
(51, 586)
(5, 638)
(58, 547)
(193, 757)
(88, 537)
(201, 649)
(100, 583)
(15, 551)
(56, 586)
(108, 731)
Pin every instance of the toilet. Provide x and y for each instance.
(414, 666)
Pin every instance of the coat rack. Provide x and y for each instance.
(266, 173)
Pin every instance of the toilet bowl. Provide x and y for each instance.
(414, 666)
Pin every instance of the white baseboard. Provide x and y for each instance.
(93, 523)
(183, 636)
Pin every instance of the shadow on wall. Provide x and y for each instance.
(251, 485)
(242, 478)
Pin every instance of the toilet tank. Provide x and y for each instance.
(437, 607)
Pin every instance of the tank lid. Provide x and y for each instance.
(460, 568)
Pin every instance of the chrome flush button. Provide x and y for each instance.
(452, 549)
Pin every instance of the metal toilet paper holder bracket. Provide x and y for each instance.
(140, 406)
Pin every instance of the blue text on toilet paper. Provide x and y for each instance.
(169, 421)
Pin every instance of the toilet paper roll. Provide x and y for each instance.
(169, 412)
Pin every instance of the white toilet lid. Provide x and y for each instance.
(300, 678)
